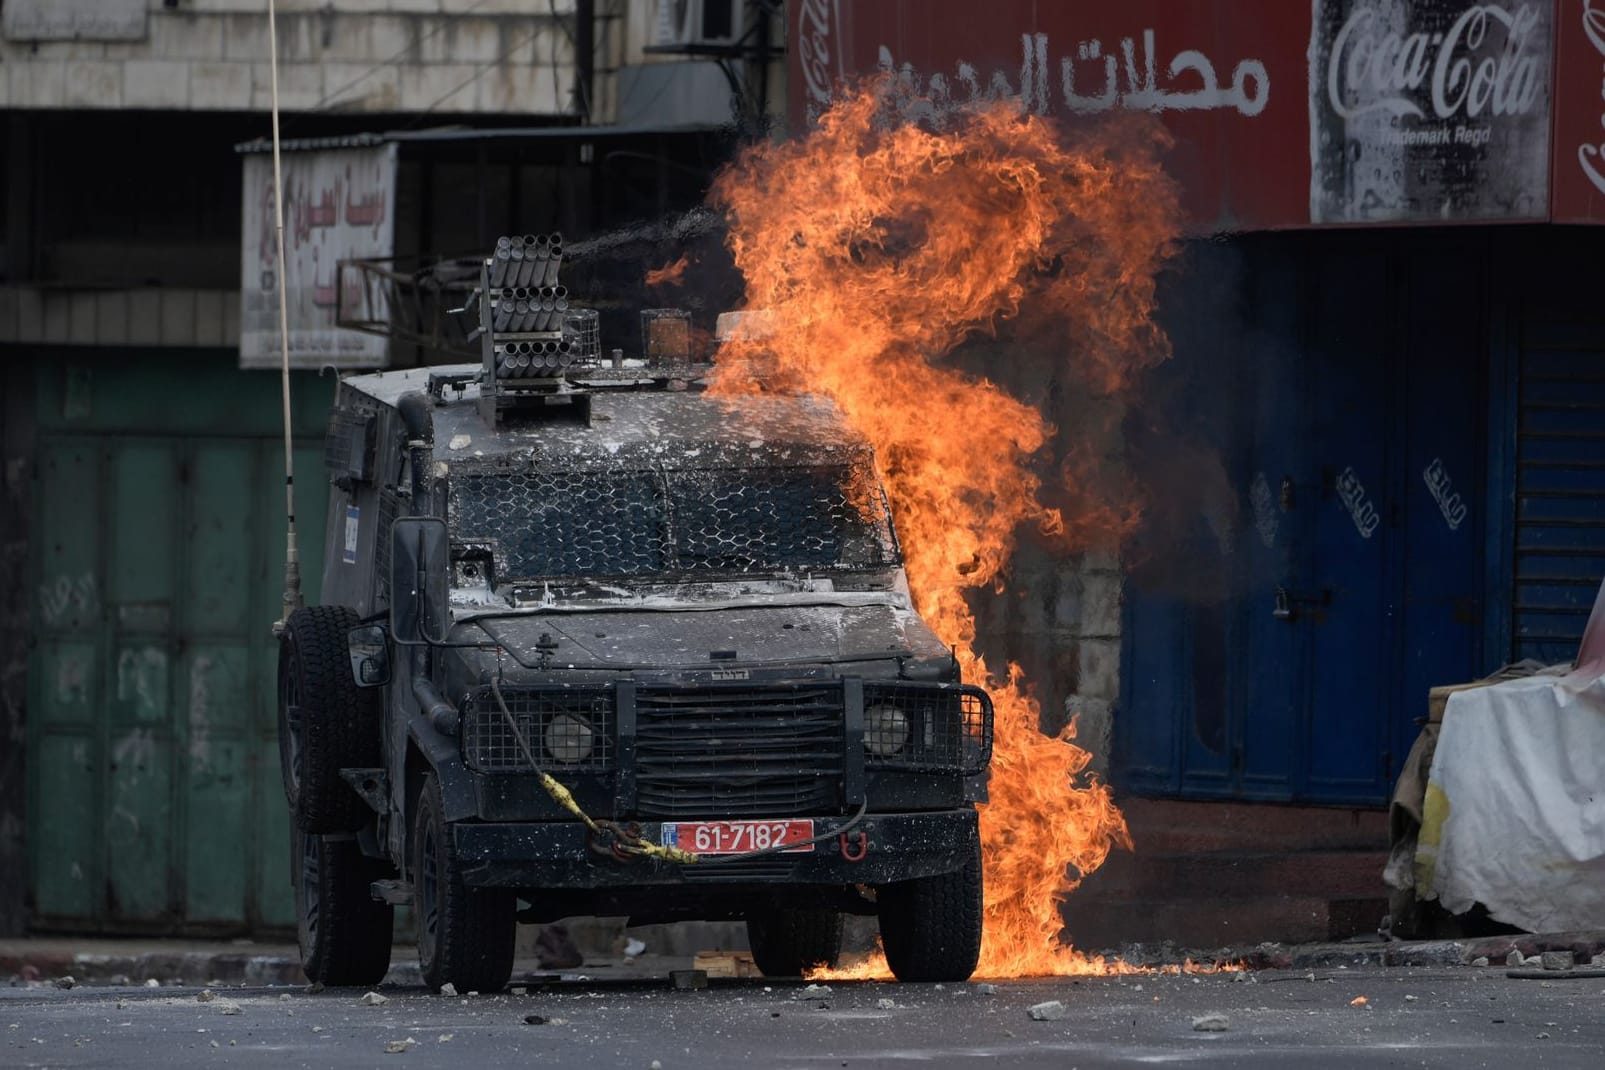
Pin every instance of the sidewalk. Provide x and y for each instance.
(139, 961)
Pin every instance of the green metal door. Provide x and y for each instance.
(153, 768)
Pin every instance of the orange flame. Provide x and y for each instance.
(877, 248)
(668, 274)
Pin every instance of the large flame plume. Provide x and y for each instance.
(876, 248)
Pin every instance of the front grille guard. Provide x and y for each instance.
(949, 727)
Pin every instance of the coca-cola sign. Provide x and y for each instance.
(1431, 110)
(819, 50)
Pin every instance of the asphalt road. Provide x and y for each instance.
(1458, 1018)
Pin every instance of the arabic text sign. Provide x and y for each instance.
(339, 205)
(1434, 110)
(1229, 88)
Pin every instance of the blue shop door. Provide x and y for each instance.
(1284, 650)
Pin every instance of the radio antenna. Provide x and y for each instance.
(292, 556)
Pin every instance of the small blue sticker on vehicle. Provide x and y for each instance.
(353, 516)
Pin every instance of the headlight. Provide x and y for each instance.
(885, 730)
(569, 739)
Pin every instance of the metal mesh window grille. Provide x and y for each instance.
(388, 505)
(645, 523)
(949, 728)
(558, 723)
(737, 751)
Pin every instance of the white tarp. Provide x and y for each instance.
(339, 205)
(1515, 808)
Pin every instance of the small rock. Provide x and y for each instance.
(66, 981)
(448, 989)
(812, 992)
(118, 979)
(1543, 1036)
(214, 1044)
(1240, 976)
(1597, 960)
(1211, 1023)
(1310, 977)
(1480, 960)
(535, 1019)
(1515, 958)
(374, 999)
(1051, 1011)
(398, 1047)
(986, 989)
(122, 1005)
(151, 982)
(284, 997)
(228, 1006)
(317, 1029)
(656, 1065)
(886, 1004)
(444, 1037)
(519, 990)
(633, 947)
(205, 995)
(1409, 999)
(1557, 960)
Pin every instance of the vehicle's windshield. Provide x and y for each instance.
(660, 523)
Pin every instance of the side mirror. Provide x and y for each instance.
(370, 655)
(420, 559)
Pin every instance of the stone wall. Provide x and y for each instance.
(439, 56)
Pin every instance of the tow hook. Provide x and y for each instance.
(854, 845)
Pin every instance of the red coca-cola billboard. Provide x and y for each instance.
(1284, 113)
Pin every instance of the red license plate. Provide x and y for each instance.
(735, 837)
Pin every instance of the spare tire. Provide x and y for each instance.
(326, 722)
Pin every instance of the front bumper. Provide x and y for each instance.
(893, 847)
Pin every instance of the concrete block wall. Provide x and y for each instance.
(440, 56)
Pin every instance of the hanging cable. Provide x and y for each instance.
(292, 556)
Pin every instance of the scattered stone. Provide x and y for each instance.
(1557, 960)
(399, 1047)
(284, 997)
(65, 981)
(151, 982)
(633, 948)
(1515, 958)
(1310, 977)
(1597, 960)
(1211, 1023)
(205, 995)
(1480, 960)
(444, 1037)
(535, 1019)
(886, 1004)
(228, 1006)
(214, 1044)
(520, 990)
(1240, 976)
(1409, 999)
(656, 1065)
(317, 1029)
(120, 980)
(1543, 1036)
(1051, 1011)
(812, 992)
(374, 999)
(122, 1005)
(448, 989)
(986, 989)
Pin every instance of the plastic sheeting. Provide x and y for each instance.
(1514, 816)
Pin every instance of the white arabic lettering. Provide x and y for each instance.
(1361, 511)
(1125, 80)
(1374, 68)
(1589, 156)
(1450, 504)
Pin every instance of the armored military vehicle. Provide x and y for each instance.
(593, 641)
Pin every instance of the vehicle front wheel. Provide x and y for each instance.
(931, 926)
(787, 942)
(345, 934)
(465, 935)
(326, 722)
